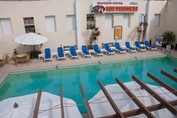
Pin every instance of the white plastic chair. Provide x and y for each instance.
(159, 44)
(168, 48)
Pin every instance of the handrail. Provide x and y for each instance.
(135, 99)
(175, 70)
(61, 102)
(156, 96)
(36, 110)
(169, 75)
(139, 111)
(86, 102)
(171, 89)
(111, 101)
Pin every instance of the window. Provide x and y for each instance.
(5, 24)
(90, 21)
(71, 22)
(50, 23)
(29, 24)
(157, 20)
(109, 21)
(126, 20)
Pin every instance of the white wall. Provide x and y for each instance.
(129, 33)
(158, 7)
(107, 35)
(171, 16)
(17, 10)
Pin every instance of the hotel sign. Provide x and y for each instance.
(114, 7)
(117, 32)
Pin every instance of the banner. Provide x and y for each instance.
(114, 7)
(117, 32)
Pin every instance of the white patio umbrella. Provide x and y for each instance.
(30, 39)
(101, 107)
(49, 107)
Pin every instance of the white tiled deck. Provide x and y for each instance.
(38, 64)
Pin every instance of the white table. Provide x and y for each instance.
(21, 55)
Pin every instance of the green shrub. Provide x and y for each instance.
(169, 37)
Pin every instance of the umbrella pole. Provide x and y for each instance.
(34, 51)
(31, 52)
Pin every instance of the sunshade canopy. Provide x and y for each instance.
(49, 107)
(30, 39)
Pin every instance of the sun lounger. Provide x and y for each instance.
(97, 50)
(108, 49)
(73, 52)
(47, 54)
(139, 47)
(60, 53)
(118, 48)
(85, 51)
(129, 48)
(149, 47)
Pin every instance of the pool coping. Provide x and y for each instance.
(74, 65)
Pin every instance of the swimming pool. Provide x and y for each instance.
(22, 83)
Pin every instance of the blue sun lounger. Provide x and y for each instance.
(97, 50)
(129, 48)
(108, 49)
(60, 53)
(47, 55)
(118, 48)
(73, 52)
(139, 47)
(146, 43)
(85, 51)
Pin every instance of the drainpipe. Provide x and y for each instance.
(78, 26)
(148, 15)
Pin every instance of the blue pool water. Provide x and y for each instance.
(23, 83)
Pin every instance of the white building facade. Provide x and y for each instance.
(66, 22)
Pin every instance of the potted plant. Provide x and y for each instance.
(168, 38)
(94, 36)
(141, 29)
